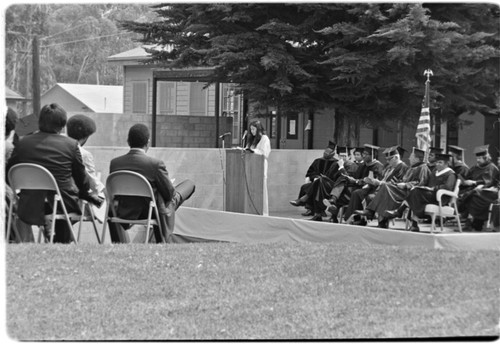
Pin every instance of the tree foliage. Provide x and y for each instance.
(364, 59)
(75, 40)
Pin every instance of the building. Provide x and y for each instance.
(80, 98)
(185, 112)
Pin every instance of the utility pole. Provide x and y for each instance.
(36, 76)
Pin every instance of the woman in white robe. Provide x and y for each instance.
(259, 143)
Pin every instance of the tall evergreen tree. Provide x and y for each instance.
(366, 60)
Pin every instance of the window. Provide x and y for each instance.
(197, 99)
(139, 96)
(166, 98)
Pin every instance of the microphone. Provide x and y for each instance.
(244, 138)
(226, 134)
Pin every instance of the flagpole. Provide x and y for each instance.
(424, 124)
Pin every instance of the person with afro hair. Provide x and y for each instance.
(10, 125)
(80, 128)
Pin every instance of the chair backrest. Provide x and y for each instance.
(27, 176)
(128, 183)
(457, 186)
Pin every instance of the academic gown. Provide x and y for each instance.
(321, 187)
(319, 166)
(476, 201)
(420, 196)
(460, 168)
(345, 185)
(389, 196)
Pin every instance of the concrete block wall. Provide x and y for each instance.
(206, 167)
(172, 131)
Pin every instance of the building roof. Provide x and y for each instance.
(98, 98)
(11, 95)
(134, 54)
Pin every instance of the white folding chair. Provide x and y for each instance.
(128, 183)
(444, 211)
(27, 176)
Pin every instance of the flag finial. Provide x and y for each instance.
(428, 73)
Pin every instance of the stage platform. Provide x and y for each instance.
(195, 225)
(292, 227)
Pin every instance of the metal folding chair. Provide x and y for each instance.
(86, 208)
(128, 183)
(27, 176)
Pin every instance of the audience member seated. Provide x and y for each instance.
(390, 195)
(80, 128)
(420, 196)
(318, 167)
(480, 189)
(168, 197)
(61, 156)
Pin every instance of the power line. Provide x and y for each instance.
(82, 40)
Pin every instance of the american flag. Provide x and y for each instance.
(424, 123)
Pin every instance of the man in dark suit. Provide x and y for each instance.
(168, 197)
(61, 156)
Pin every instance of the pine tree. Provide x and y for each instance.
(366, 60)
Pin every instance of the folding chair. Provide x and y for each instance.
(11, 226)
(85, 206)
(444, 211)
(35, 177)
(128, 183)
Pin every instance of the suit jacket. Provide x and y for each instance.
(133, 207)
(61, 156)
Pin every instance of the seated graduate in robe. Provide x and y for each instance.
(431, 159)
(389, 196)
(442, 178)
(346, 185)
(392, 173)
(480, 189)
(457, 161)
(318, 167)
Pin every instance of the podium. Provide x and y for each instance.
(244, 182)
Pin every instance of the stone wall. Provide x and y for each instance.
(206, 167)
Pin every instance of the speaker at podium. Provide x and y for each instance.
(244, 192)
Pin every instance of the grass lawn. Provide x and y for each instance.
(235, 291)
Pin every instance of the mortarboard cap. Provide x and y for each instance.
(455, 149)
(481, 150)
(443, 157)
(435, 150)
(344, 150)
(359, 149)
(370, 149)
(332, 145)
(391, 151)
(420, 153)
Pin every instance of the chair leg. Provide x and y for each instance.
(441, 222)
(433, 222)
(91, 211)
(341, 214)
(148, 225)
(458, 218)
(80, 223)
(103, 235)
(72, 232)
(9, 221)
